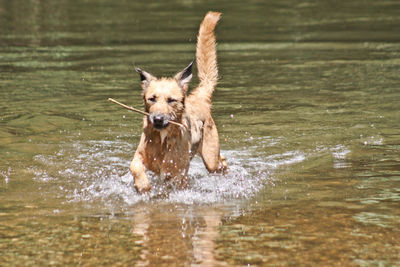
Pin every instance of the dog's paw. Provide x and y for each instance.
(223, 165)
(142, 185)
(181, 182)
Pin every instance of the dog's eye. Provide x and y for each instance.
(152, 99)
(171, 100)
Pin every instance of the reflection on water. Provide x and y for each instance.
(307, 110)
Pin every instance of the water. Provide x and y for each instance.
(307, 110)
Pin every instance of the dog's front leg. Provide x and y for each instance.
(141, 181)
(138, 170)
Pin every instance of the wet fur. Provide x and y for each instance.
(167, 149)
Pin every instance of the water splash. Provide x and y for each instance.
(340, 153)
(6, 175)
(94, 171)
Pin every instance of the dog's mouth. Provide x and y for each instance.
(159, 121)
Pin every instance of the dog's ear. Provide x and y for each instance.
(145, 78)
(183, 78)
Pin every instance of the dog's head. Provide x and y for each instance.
(164, 98)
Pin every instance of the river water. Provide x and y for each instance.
(308, 114)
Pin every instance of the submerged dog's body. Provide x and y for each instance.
(167, 149)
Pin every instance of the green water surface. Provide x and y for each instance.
(308, 114)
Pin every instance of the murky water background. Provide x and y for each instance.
(308, 114)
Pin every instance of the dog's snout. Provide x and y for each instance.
(160, 121)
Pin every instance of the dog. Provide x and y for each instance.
(165, 148)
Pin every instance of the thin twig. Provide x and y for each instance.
(128, 107)
(142, 112)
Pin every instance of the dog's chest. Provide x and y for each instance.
(167, 153)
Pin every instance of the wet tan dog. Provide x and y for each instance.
(167, 149)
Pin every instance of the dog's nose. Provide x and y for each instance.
(159, 121)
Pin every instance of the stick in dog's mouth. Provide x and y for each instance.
(143, 112)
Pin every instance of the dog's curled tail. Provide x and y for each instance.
(206, 56)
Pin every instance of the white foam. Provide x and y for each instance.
(285, 158)
(339, 154)
(97, 171)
